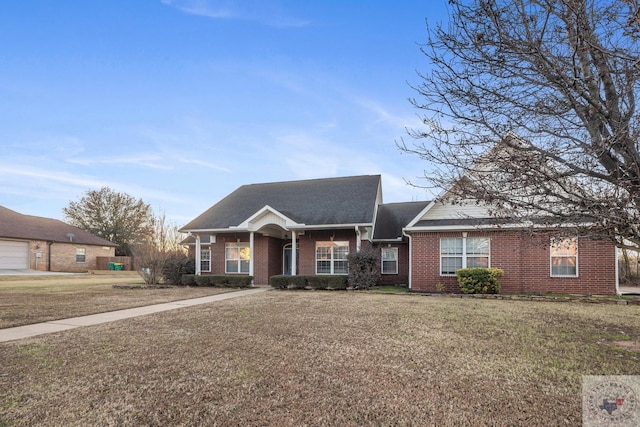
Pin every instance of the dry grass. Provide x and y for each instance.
(32, 299)
(322, 358)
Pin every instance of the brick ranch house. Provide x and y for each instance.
(308, 227)
(45, 244)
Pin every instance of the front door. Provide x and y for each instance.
(287, 258)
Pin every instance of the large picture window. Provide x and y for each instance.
(237, 257)
(205, 260)
(463, 252)
(564, 257)
(389, 260)
(331, 257)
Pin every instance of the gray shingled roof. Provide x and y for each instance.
(14, 225)
(392, 217)
(347, 200)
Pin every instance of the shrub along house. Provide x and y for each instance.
(45, 244)
(308, 227)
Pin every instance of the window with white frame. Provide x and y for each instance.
(81, 255)
(564, 257)
(331, 257)
(389, 260)
(205, 260)
(463, 252)
(237, 257)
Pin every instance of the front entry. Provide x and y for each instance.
(286, 259)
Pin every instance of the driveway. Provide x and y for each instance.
(31, 273)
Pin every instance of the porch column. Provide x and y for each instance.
(198, 256)
(294, 250)
(251, 252)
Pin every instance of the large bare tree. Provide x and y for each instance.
(536, 100)
(117, 217)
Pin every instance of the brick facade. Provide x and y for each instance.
(525, 260)
(269, 251)
(62, 256)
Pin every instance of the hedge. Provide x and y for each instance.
(479, 280)
(303, 282)
(217, 281)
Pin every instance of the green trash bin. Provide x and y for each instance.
(112, 266)
(118, 265)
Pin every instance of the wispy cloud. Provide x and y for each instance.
(143, 160)
(266, 12)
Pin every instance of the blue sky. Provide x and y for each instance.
(179, 102)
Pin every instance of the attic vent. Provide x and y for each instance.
(71, 236)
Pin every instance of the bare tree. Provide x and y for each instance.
(152, 252)
(117, 217)
(551, 83)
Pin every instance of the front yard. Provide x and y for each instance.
(323, 358)
(33, 299)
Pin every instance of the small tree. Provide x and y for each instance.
(364, 267)
(154, 250)
(177, 265)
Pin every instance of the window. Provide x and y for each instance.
(331, 257)
(564, 257)
(463, 252)
(389, 260)
(81, 255)
(237, 257)
(205, 260)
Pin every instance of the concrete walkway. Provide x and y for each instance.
(19, 332)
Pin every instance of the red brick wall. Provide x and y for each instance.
(63, 256)
(307, 249)
(268, 252)
(402, 277)
(525, 261)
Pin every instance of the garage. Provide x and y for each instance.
(14, 255)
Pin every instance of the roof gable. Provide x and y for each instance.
(316, 202)
(15, 225)
(393, 217)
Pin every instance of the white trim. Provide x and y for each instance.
(332, 260)
(251, 252)
(239, 259)
(510, 226)
(248, 223)
(294, 253)
(464, 254)
(410, 260)
(396, 259)
(203, 251)
(198, 255)
(617, 272)
(564, 256)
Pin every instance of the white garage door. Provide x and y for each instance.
(14, 255)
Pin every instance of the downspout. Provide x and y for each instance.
(358, 239)
(49, 244)
(617, 271)
(404, 233)
(294, 255)
(251, 254)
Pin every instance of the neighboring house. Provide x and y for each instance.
(45, 244)
(308, 228)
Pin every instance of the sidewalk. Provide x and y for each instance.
(19, 332)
